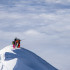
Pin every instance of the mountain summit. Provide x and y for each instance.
(22, 59)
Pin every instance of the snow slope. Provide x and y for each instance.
(22, 59)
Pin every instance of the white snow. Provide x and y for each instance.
(7, 49)
(22, 59)
(9, 65)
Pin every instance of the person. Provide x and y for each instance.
(13, 42)
(16, 43)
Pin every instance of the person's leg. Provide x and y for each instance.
(13, 46)
(18, 45)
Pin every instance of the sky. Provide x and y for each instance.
(42, 25)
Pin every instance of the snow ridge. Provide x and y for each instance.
(22, 59)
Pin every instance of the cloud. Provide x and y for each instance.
(53, 1)
(42, 6)
(58, 1)
(32, 32)
(7, 15)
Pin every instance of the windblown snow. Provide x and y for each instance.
(22, 59)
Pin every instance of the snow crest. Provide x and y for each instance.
(22, 59)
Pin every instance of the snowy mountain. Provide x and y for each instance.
(22, 59)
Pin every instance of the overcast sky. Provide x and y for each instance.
(43, 24)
